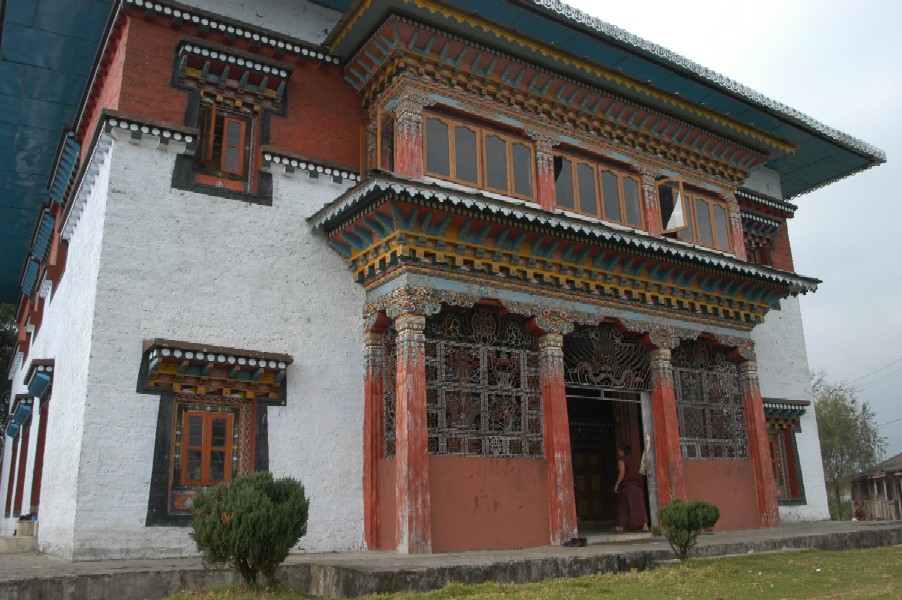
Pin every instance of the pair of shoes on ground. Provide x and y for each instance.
(577, 542)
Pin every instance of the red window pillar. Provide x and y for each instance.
(561, 499)
(409, 136)
(756, 427)
(546, 193)
(650, 203)
(668, 455)
(736, 232)
(412, 456)
(372, 436)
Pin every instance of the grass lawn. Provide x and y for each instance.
(871, 573)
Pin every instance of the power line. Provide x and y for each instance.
(887, 377)
(883, 368)
(890, 422)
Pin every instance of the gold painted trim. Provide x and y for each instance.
(568, 59)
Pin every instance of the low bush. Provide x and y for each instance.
(682, 522)
(250, 523)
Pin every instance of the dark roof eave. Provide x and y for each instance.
(606, 32)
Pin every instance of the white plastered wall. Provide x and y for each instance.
(65, 336)
(783, 373)
(202, 269)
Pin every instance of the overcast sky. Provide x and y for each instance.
(841, 63)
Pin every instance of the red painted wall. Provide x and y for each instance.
(324, 114)
(730, 484)
(488, 503)
(782, 254)
(107, 86)
(388, 510)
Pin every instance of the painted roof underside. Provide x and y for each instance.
(47, 49)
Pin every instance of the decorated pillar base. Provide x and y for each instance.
(561, 499)
(759, 453)
(668, 454)
(412, 457)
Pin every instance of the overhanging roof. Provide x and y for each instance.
(566, 40)
(47, 49)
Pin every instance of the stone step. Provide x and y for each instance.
(17, 544)
(613, 537)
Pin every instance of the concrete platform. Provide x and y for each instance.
(17, 544)
(35, 576)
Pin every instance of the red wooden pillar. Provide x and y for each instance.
(561, 499)
(38, 471)
(736, 233)
(756, 426)
(650, 204)
(412, 457)
(13, 445)
(372, 436)
(668, 455)
(409, 136)
(23, 465)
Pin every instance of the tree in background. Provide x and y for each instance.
(7, 345)
(850, 440)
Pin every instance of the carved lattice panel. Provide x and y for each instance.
(603, 356)
(709, 403)
(483, 393)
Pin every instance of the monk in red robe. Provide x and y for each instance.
(630, 495)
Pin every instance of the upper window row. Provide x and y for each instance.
(693, 217)
(597, 191)
(479, 157)
(491, 160)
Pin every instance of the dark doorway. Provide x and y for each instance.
(599, 420)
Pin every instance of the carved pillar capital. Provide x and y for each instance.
(412, 302)
(554, 323)
(373, 352)
(748, 369)
(659, 358)
(545, 140)
(551, 350)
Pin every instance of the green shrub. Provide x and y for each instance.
(250, 523)
(682, 522)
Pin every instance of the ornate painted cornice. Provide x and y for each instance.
(345, 209)
(492, 84)
(189, 368)
(414, 295)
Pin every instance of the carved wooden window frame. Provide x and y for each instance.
(482, 133)
(692, 233)
(212, 154)
(598, 169)
(206, 448)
